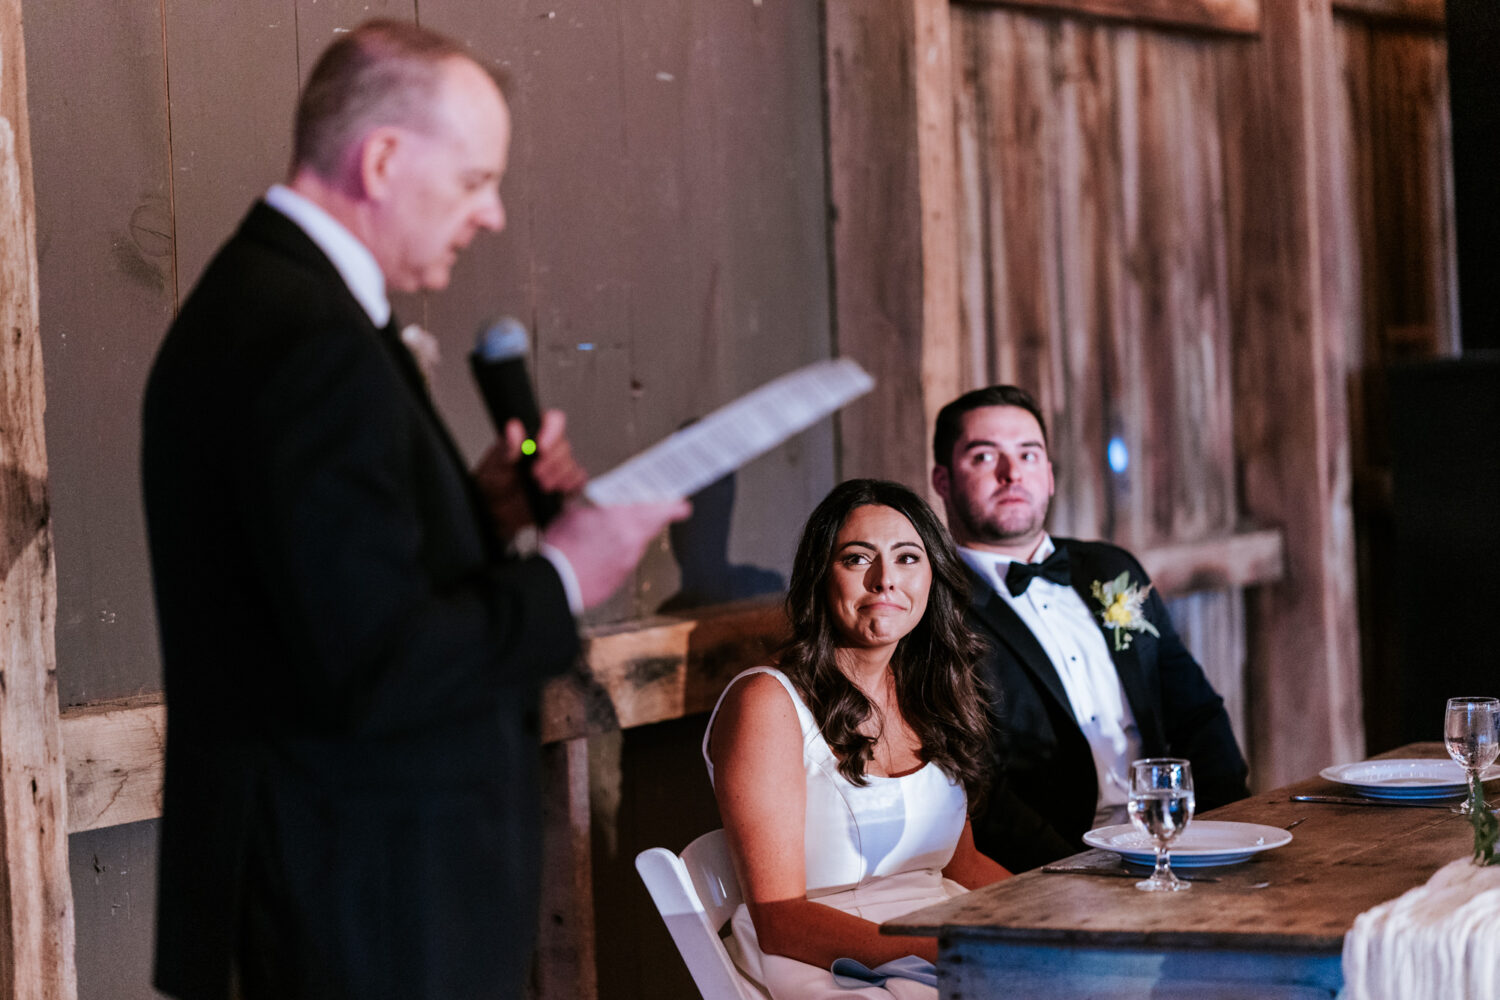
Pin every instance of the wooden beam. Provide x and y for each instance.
(658, 669)
(116, 752)
(1290, 245)
(1240, 17)
(1246, 559)
(36, 897)
(637, 674)
(1416, 13)
(565, 961)
(894, 184)
(632, 674)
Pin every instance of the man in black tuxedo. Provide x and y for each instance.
(1076, 698)
(352, 653)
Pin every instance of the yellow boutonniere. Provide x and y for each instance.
(1122, 601)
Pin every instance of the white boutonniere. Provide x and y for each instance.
(1122, 602)
(423, 347)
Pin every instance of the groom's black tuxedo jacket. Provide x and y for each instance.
(352, 663)
(1046, 788)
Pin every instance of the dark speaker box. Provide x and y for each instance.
(1445, 467)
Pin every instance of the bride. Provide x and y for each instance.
(845, 775)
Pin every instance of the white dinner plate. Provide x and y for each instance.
(1204, 844)
(1405, 778)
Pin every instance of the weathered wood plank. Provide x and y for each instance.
(36, 903)
(638, 673)
(565, 965)
(665, 668)
(1302, 897)
(1233, 16)
(644, 672)
(1394, 117)
(1008, 78)
(1417, 13)
(1095, 383)
(1288, 241)
(116, 754)
(231, 118)
(1247, 559)
(893, 181)
(104, 251)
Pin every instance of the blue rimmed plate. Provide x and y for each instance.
(1414, 779)
(1205, 843)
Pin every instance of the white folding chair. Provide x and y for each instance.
(696, 895)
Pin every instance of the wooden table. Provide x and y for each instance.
(1271, 927)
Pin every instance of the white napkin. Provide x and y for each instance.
(1440, 940)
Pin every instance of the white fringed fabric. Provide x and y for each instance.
(1439, 941)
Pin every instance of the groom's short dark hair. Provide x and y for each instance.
(950, 418)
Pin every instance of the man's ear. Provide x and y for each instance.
(940, 481)
(377, 155)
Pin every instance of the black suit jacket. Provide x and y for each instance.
(352, 663)
(1047, 789)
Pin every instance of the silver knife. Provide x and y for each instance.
(1352, 800)
(1119, 873)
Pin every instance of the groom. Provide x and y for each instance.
(1076, 697)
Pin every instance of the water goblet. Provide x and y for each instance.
(1471, 731)
(1161, 805)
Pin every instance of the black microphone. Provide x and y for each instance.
(499, 365)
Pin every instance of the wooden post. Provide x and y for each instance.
(565, 961)
(893, 179)
(1292, 287)
(36, 900)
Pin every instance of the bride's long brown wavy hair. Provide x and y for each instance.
(934, 666)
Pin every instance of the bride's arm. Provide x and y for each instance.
(968, 867)
(756, 746)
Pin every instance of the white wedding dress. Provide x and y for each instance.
(875, 851)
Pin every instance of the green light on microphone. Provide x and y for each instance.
(528, 447)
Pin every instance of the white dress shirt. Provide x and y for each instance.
(366, 282)
(1069, 633)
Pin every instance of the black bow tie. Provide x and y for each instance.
(1054, 568)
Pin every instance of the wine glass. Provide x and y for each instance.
(1471, 731)
(1161, 804)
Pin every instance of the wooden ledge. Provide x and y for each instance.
(1429, 14)
(651, 670)
(1244, 559)
(1237, 17)
(637, 673)
(631, 674)
(115, 753)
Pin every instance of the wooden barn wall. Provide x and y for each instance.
(666, 244)
(1115, 256)
(1394, 115)
(1094, 271)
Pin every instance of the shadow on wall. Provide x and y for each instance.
(700, 545)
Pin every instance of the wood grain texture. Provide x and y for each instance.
(565, 958)
(660, 669)
(1341, 861)
(1245, 559)
(105, 256)
(1095, 272)
(231, 116)
(1416, 13)
(665, 244)
(36, 906)
(1235, 16)
(1075, 972)
(116, 756)
(645, 672)
(1094, 265)
(893, 183)
(1290, 245)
